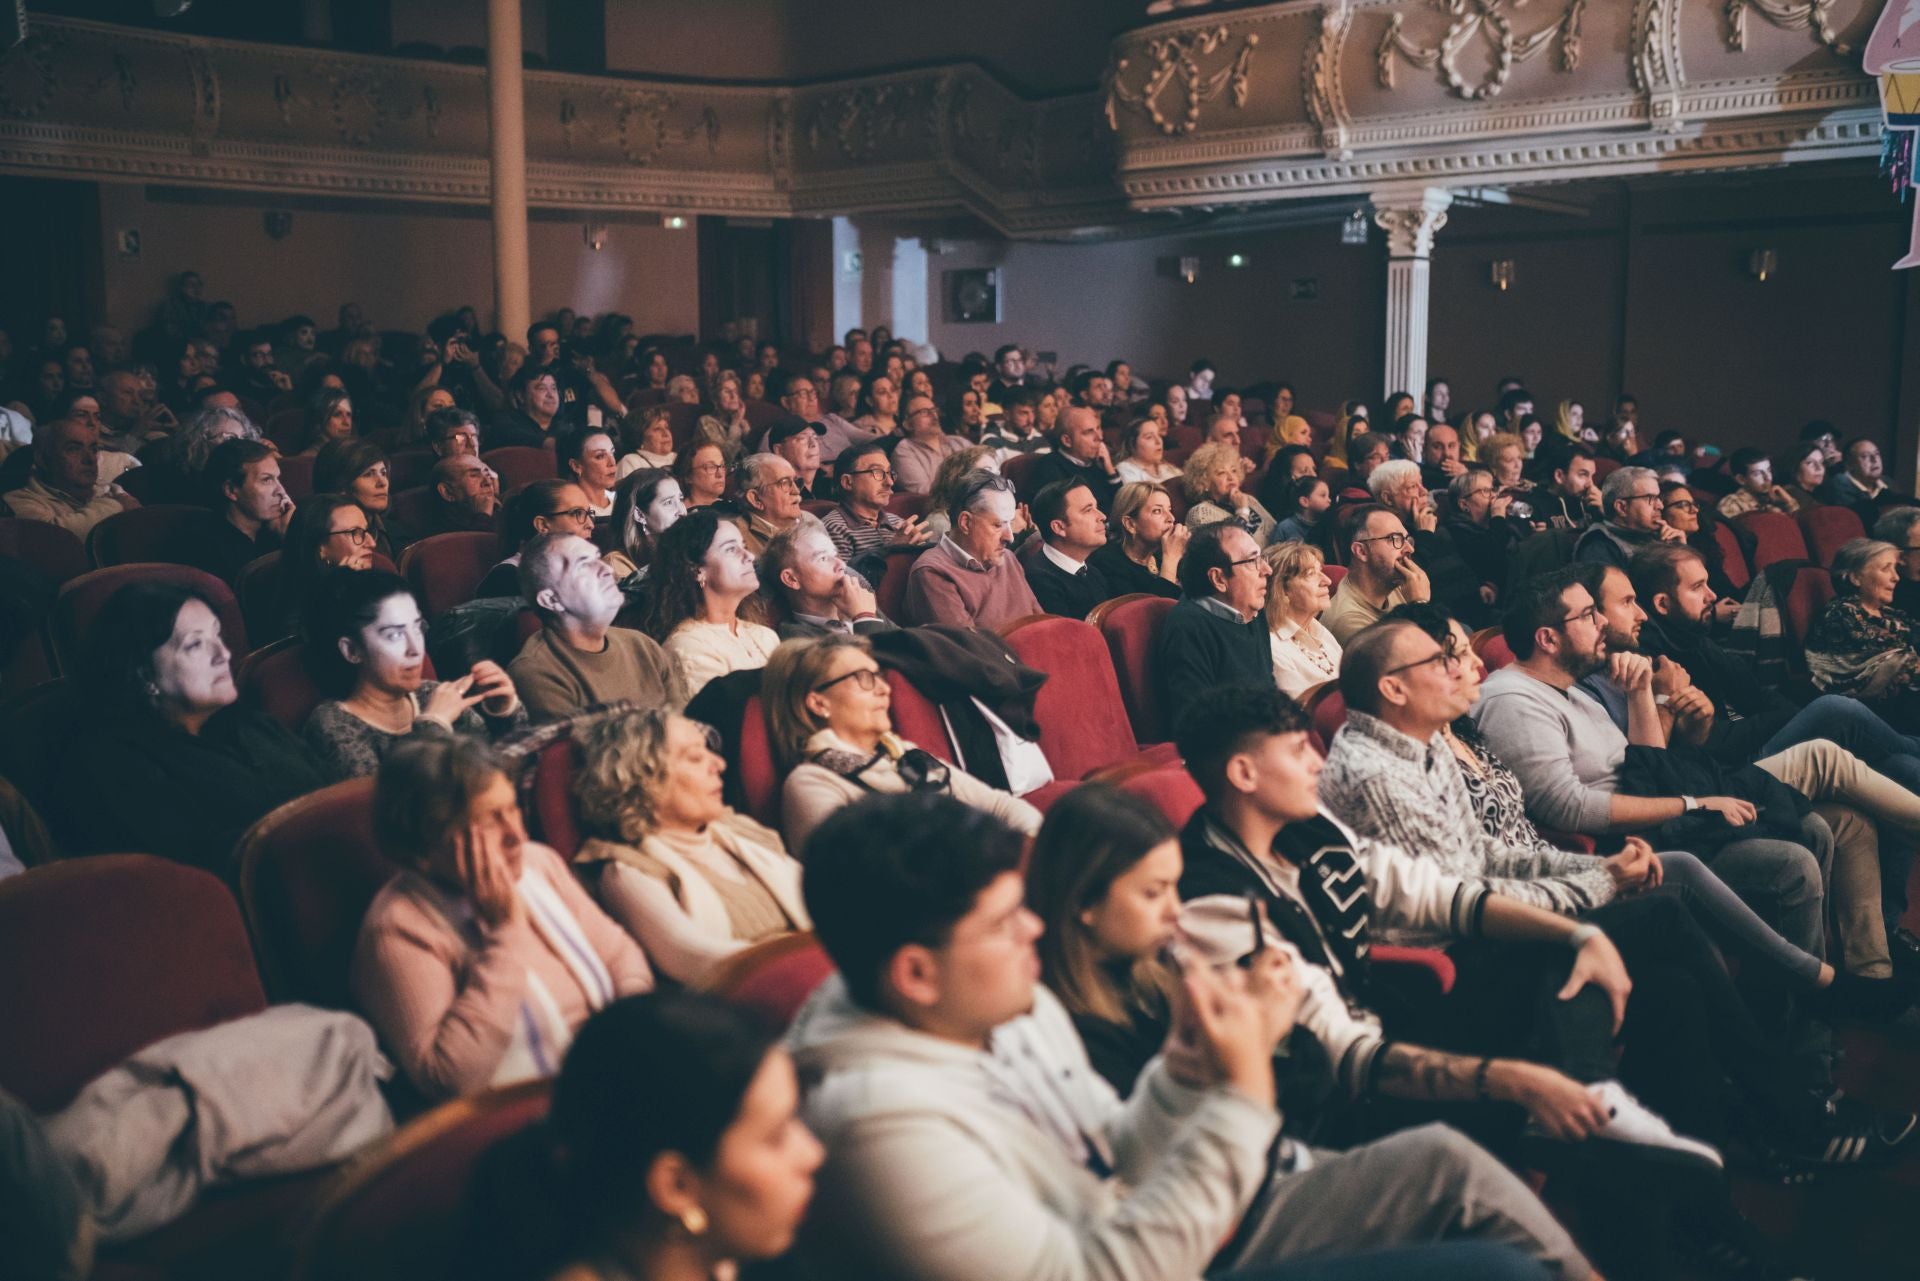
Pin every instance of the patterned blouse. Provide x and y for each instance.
(1849, 651)
(1502, 808)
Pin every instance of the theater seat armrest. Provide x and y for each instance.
(1574, 841)
(1430, 960)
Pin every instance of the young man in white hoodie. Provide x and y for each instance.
(969, 1137)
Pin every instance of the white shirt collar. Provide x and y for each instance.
(1066, 563)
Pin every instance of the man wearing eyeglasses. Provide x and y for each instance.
(1381, 575)
(861, 526)
(771, 493)
(1631, 501)
(1215, 635)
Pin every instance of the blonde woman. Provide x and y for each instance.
(1351, 422)
(687, 876)
(1145, 543)
(1143, 453)
(1213, 479)
(1505, 455)
(1290, 430)
(1305, 653)
(828, 710)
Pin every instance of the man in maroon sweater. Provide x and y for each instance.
(967, 579)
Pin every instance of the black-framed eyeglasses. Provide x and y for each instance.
(1447, 656)
(784, 482)
(1641, 498)
(1591, 614)
(881, 473)
(1396, 540)
(1684, 505)
(1244, 560)
(359, 536)
(572, 513)
(866, 679)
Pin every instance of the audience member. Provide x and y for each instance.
(799, 442)
(1080, 451)
(1897, 526)
(805, 573)
(967, 579)
(701, 470)
(1862, 485)
(918, 902)
(1213, 477)
(770, 492)
(1145, 543)
(1072, 528)
(1862, 644)
(692, 880)
(925, 444)
(579, 659)
(586, 457)
(1305, 653)
(648, 435)
(700, 602)
(253, 505)
(1452, 581)
(1143, 451)
(1212, 635)
(329, 417)
(366, 646)
(65, 488)
(1381, 573)
(1481, 531)
(1752, 472)
(358, 468)
(879, 404)
(482, 956)
(1304, 504)
(165, 759)
(646, 503)
(1807, 483)
(466, 496)
(861, 526)
(551, 506)
(1631, 501)
(1441, 463)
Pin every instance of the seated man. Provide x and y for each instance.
(967, 579)
(1862, 484)
(453, 432)
(65, 488)
(798, 441)
(1080, 451)
(1567, 753)
(804, 571)
(252, 502)
(552, 506)
(466, 495)
(1631, 501)
(1452, 582)
(534, 417)
(968, 1135)
(1072, 528)
(1752, 471)
(770, 494)
(1441, 463)
(578, 659)
(1381, 573)
(1570, 499)
(861, 526)
(1216, 634)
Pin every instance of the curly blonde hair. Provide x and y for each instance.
(1201, 463)
(623, 768)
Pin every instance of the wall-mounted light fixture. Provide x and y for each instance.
(1236, 260)
(674, 222)
(1354, 230)
(595, 234)
(1762, 263)
(1503, 273)
(1190, 269)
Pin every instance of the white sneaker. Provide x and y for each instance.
(1634, 1122)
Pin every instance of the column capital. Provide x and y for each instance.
(1410, 216)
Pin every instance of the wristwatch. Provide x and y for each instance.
(1691, 802)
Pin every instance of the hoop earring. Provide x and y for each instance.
(694, 1220)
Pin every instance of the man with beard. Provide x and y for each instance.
(1753, 720)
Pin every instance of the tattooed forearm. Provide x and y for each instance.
(1409, 1072)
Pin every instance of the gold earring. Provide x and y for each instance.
(694, 1220)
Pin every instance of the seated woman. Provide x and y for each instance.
(1505, 455)
(1807, 480)
(367, 647)
(1213, 477)
(1681, 508)
(879, 405)
(1104, 879)
(1861, 644)
(649, 441)
(1144, 543)
(329, 417)
(1143, 454)
(611, 1188)
(483, 956)
(701, 470)
(358, 468)
(645, 505)
(1289, 432)
(827, 705)
(693, 880)
(1305, 653)
(701, 604)
(166, 760)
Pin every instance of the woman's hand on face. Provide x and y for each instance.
(480, 865)
(1173, 543)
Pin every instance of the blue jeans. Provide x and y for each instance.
(1853, 725)
(1732, 924)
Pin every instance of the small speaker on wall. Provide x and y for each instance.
(973, 296)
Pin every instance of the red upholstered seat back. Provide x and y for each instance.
(407, 468)
(1019, 470)
(907, 506)
(1327, 708)
(308, 871)
(1172, 791)
(1776, 538)
(102, 956)
(759, 772)
(287, 428)
(681, 420)
(48, 548)
(1128, 630)
(1083, 721)
(413, 508)
(296, 476)
(1492, 648)
(259, 587)
(775, 978)
(917, 718)
(83, 598)
(1826, 529)
(890, 593)
(171, 532)
(395, 1214)
(518, 465)
(446, 569)
(556, 814)
(1335, 575)
(1735, 560)
(276, 681)
(1811, 592)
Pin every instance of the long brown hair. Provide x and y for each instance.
(1092, 837)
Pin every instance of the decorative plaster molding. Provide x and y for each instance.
(1493, 23)
(1176, 58)
(1787, 15)
(1320, 78)
(1656, 67)
(1411, 219)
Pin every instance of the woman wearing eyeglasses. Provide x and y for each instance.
(1680, 508)
(828, 715)
(701, 470)
(328, 531)
(688, 877)
(702, 576)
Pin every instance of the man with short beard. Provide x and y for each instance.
(1631, 502)
(579, 659)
